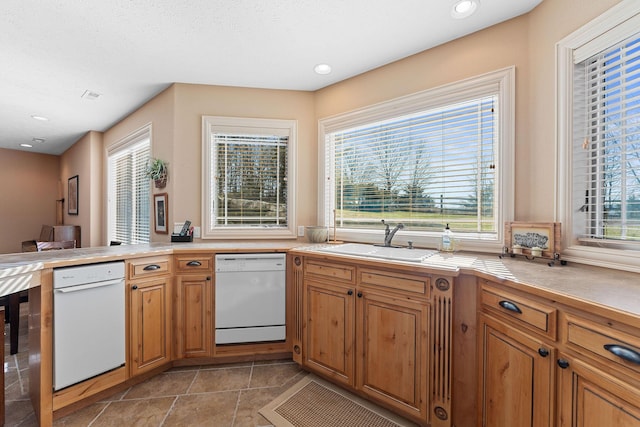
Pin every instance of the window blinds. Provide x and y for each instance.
(250, 180)
(423, 169)
(606, 190)
(130, 194)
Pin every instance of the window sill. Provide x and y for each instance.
(618, 259)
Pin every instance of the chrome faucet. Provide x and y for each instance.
(388, 234)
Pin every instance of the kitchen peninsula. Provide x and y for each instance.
(577, 321)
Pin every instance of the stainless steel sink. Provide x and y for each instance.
(384, 252)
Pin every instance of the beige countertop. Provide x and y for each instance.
(613, 289)
(19, 271)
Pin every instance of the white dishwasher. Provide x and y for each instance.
(88, 321)
(250, 295)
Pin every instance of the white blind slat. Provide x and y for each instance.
(129, 211)
(430, 167)
(607, 156)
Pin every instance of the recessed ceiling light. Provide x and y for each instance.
(38, 140)
(464, 8)
(322, 68)
(91, 95)
(40, 118)
(26, 145)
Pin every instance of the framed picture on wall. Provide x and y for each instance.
(161, 213)
(72, 196)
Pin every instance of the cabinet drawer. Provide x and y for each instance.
(335, 271)
(603, 342)
(193, 264)
(148, 267)
(394, 280)
(531, 314)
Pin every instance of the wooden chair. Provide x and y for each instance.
(12, 302)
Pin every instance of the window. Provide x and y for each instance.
(599, 138)
(249, 178)
(437, 157)
(129, 212)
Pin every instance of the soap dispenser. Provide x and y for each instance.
(447, 240)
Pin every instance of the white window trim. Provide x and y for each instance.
(208, 122)
(432, 98)
(140, 134)
(617, 17)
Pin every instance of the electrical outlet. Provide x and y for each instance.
(301, 231)
(196, 232)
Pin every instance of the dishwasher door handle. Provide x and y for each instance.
(77, 288)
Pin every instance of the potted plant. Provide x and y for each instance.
(157, 170)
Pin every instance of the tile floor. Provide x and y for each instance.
(212, 396)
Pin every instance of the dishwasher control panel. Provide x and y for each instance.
(250, 262)
(88, 273)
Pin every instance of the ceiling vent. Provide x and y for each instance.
(91, 95)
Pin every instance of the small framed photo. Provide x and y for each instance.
(161, 214)
(72, 196)
(541, 239)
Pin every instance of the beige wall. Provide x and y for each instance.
(84, 159)
(28, 193)
(527, 42)
(160, 113)
(194, 101)
(176, 117)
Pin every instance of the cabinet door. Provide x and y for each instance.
(592, 398)
(193, 315)
(516, 377)
(329, 314)
(150, 304)
(392, 334)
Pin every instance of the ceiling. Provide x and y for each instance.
(52, 52)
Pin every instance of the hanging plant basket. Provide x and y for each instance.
(157, 170)
(161, 183)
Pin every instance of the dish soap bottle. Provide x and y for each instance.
(447, 240)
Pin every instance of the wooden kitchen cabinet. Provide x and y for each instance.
(590, 397)
(150, 313)
(598, 372)
(392, 335)
(527, 341)
(516, 377)
(330, 314)
(193, 335)
(368, 329)
(516, 359)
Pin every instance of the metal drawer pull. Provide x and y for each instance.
(624, 353)
(194, 264)
(151, 267)
(508, 305)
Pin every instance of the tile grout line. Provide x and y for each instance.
(188, 390)
(99, 414)
(175, 399)
(235, 410)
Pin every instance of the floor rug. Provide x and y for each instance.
(313, 402)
